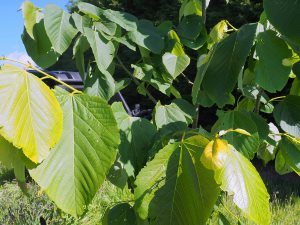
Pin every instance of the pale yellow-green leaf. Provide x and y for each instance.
(30, 115)
(238, 177)
(31, 15)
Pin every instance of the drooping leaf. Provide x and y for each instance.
(39, 48)
(270, 73)
(281, 165)
(175, 188)
(100, 84)
(223, 65)
(147, 36)
(174, 44)
(290, 150)
(77, 166)
(267, 150)
(239, 178)
(122, 213)
(198, 42)
(92, 11)
(148, 73)
(11, 158)
(30, 115)
(107, 27)
(81, 21)
(123, 19)
(80, 47)
(136, 139)
(190, 27)
(58, 28)
(103, 50)
(30, 13)
(166, 115)
(190, 7)
(217, 33)
(287, 115)
(247, 121)
(284, 16)
(125, 40)
(174, 64)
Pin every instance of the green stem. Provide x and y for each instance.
(196, 120)
(229, 24)
(46, 75)
(204, 11)
(276, 98)
(257, 102)
(136, 81)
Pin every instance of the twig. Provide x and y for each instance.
(276, 98)
(46, 75)
(136, 81)
(229, 24)
(257, 102)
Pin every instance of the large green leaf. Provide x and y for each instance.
(174, 64)
(100, 84)
(39, 48)
(77, 166)
(30, 115)
(175, 188)
(252, 123)
(190, 27)
(178, 111)
(136, 139)
(58, 28)
(30, 13)
(290, 150)
(281, 165)
(80, 47)
(92, 11)
(223, 65)
(147, 36)
(270, 73)
(287, 115)
(239, 178)
(123, 19)
(285, 17)
(149, 74)
(107, 27)
(81, 21)
(103, 50)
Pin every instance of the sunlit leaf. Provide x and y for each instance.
(58, 28)
(30, 115)
(73, 172)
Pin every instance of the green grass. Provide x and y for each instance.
(18, 209)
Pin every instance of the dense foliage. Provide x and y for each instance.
(72, 140)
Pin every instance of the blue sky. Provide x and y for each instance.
(11, 23)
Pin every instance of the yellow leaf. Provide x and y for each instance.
(30, 115)
(215, 154)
